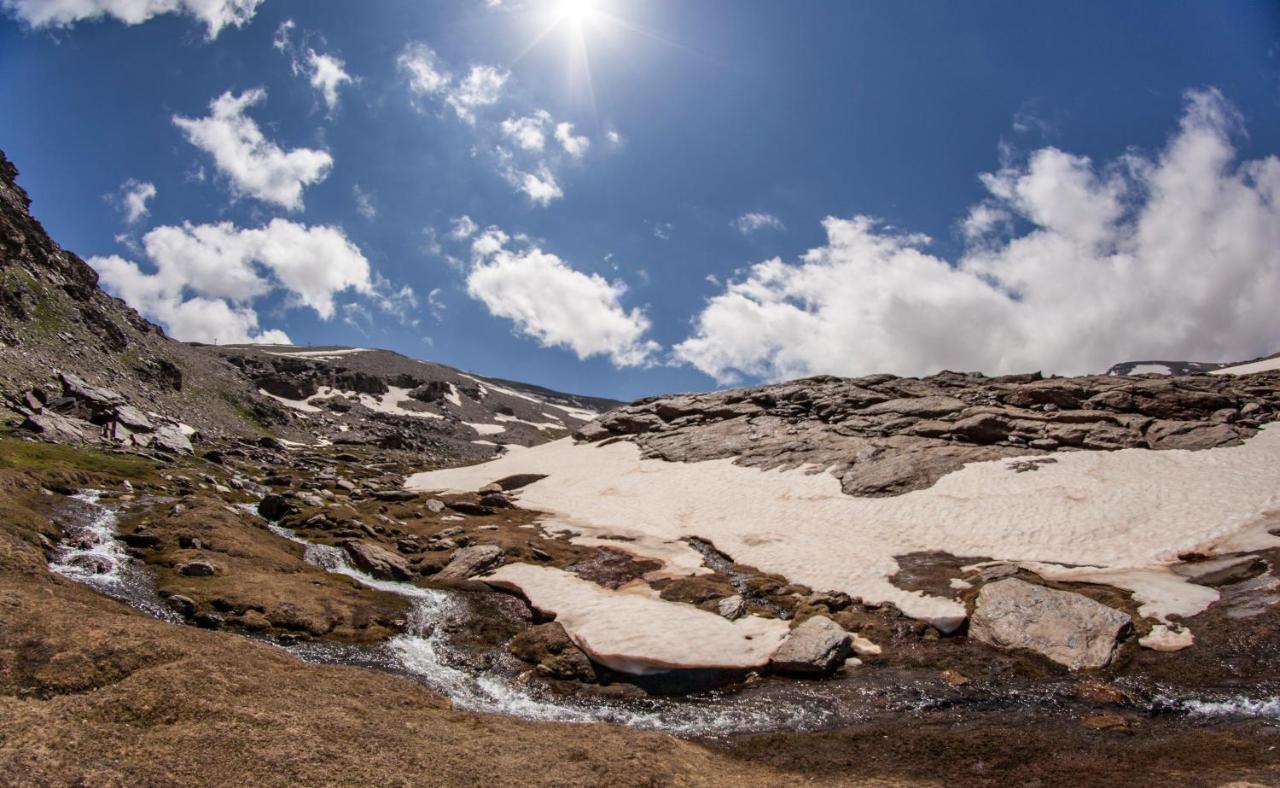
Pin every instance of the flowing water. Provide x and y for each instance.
(92, 553)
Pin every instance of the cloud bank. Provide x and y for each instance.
(1068, 267)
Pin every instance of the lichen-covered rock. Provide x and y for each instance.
(1068, 628)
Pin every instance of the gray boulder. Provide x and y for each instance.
(60, 429)
(470, 561)
(817, 645)
(171, 440)
(377, 561)
(1068, 628)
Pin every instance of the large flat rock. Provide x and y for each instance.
(1068, 628)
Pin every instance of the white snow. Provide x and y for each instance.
(485, 429)
(1125, 510)
(540, 425)
(633, 630)
(1165, 638)
(1146, 369)
(296, 404)
(1265, 365)
(390, 403)
(321, 355)
(453, 396)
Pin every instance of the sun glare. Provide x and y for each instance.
(575, 12)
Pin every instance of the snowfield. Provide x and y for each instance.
(1120, 518)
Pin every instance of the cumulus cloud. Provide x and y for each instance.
(422, 66)
(539, 185)
(1171, 255)
(215, 14)
(462, 227)
(574, 145)
(254, 165)
(205, 278)
(133, 198)
(555, 304)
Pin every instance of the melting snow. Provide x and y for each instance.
(1125, 510)
(485, 429)
(1265, 365)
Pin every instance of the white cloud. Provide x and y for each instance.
(613, 137)
(133, 198)
(206, 277)
(255, 166)
(481, 87)
(662, 231)
(215, 14)
(327, 74)
(1171, 256)
(364, 203)
(422, 66)
(575, 146)
(527, 132)
(283, 37)
(558, 306)
(754, 221)
(462, 227)
(539, 186)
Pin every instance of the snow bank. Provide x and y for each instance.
(1265, 365)
(635, 631)
(485, 429)
(1123, 510)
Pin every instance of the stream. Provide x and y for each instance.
(93, 554)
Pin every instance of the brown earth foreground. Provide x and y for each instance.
(93, 692)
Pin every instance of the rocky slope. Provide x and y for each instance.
(883, 435)
(79, 366)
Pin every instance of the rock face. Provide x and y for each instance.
(1068, 628)
(816, 645)
(883, 435)
(377, 561)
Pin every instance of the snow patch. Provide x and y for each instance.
(1118, 511)
(633, 630)
(1265, 365)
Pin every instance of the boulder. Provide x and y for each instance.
(732, 607)
(470, 561)
(132, 418)
(59, 429)
(97, 398)
(548, 647)
(197, 568)
(1068, 628)
(377, 561)
(273, 507)
(171, 440)
(816, 645)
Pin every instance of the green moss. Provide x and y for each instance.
(27, 455)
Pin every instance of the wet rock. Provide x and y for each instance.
(198, 568)
(495, 501)
(274, 507)
(182, 605)
(817, 645)
(470, 561)
(1068, 628)
(377, 561)
(556, 656)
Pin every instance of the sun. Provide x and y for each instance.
(575, 12)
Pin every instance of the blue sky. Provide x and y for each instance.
(1096, 181)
